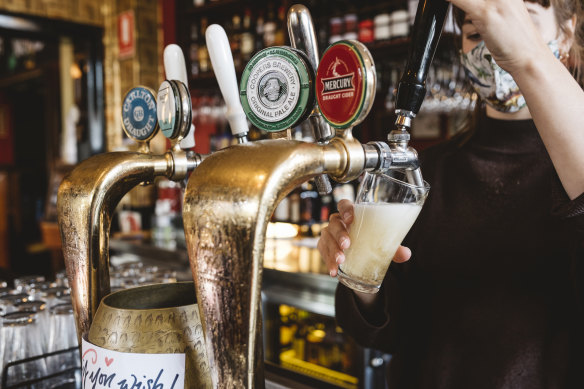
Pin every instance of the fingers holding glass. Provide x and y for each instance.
(330, 251)
(346, 210)
(402, 254)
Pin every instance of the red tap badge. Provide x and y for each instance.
(343, 90)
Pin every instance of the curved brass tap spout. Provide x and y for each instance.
(86, 200)
(228, 202)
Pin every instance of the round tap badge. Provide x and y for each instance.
(345, 83)
(139, 114)
(276, 88)
(174, 109)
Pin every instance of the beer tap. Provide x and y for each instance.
(230, 198)
(224, 68)
(175, 69)
(411, 90)
(88, 196)
(303, 38)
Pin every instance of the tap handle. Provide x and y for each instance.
(301, 31)
(175, 69)
(303, 38)
(174, 64)
(425, 35)
(222, 60)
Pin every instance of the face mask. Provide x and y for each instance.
(492, 83)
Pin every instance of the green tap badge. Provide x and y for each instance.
(276, 88)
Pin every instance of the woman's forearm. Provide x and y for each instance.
(556, 103)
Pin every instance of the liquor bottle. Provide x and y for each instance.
(282, 211)
(194, 32)
(309, 204)
(366, 34)
(203, 57)
(194, 49)
(287, 325)
(299, 340)
(400, 23)
(260, 29)
(335, 29)
(382, 29)
(247, 37)
(235, 40)
(270, 26)
(280, 35)
(294, 199)
(351, 26)
(325, 208)
(204, 23)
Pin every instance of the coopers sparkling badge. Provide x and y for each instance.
(276, 88)
(345, 83)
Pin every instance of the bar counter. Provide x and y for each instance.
(294, 272)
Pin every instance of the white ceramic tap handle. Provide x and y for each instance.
(174, 64)
(222, 60)
(176, 69)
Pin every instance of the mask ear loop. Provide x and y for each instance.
(568, 33)
(564, 56)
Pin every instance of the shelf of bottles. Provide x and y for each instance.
(313, 345)
(383, 26)
(253, 25)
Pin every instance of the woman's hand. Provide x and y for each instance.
(516, 34)
(335, 238)
(509, 30)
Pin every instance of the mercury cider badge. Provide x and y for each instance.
(276, 88)
(139, 114)
(345, 83)
(174, 109)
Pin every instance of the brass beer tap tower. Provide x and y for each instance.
(230, 198)
(88, 196)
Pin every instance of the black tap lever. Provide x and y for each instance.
(425, 35)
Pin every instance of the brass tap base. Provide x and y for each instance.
(228, 203)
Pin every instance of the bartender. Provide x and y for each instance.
(490, 295)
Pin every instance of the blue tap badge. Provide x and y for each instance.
(139, 114)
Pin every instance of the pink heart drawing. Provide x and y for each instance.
(108, 361)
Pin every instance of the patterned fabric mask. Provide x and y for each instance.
(492, 83)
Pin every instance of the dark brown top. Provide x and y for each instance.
(492, 296)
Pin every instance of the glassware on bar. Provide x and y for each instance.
(21, 339)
